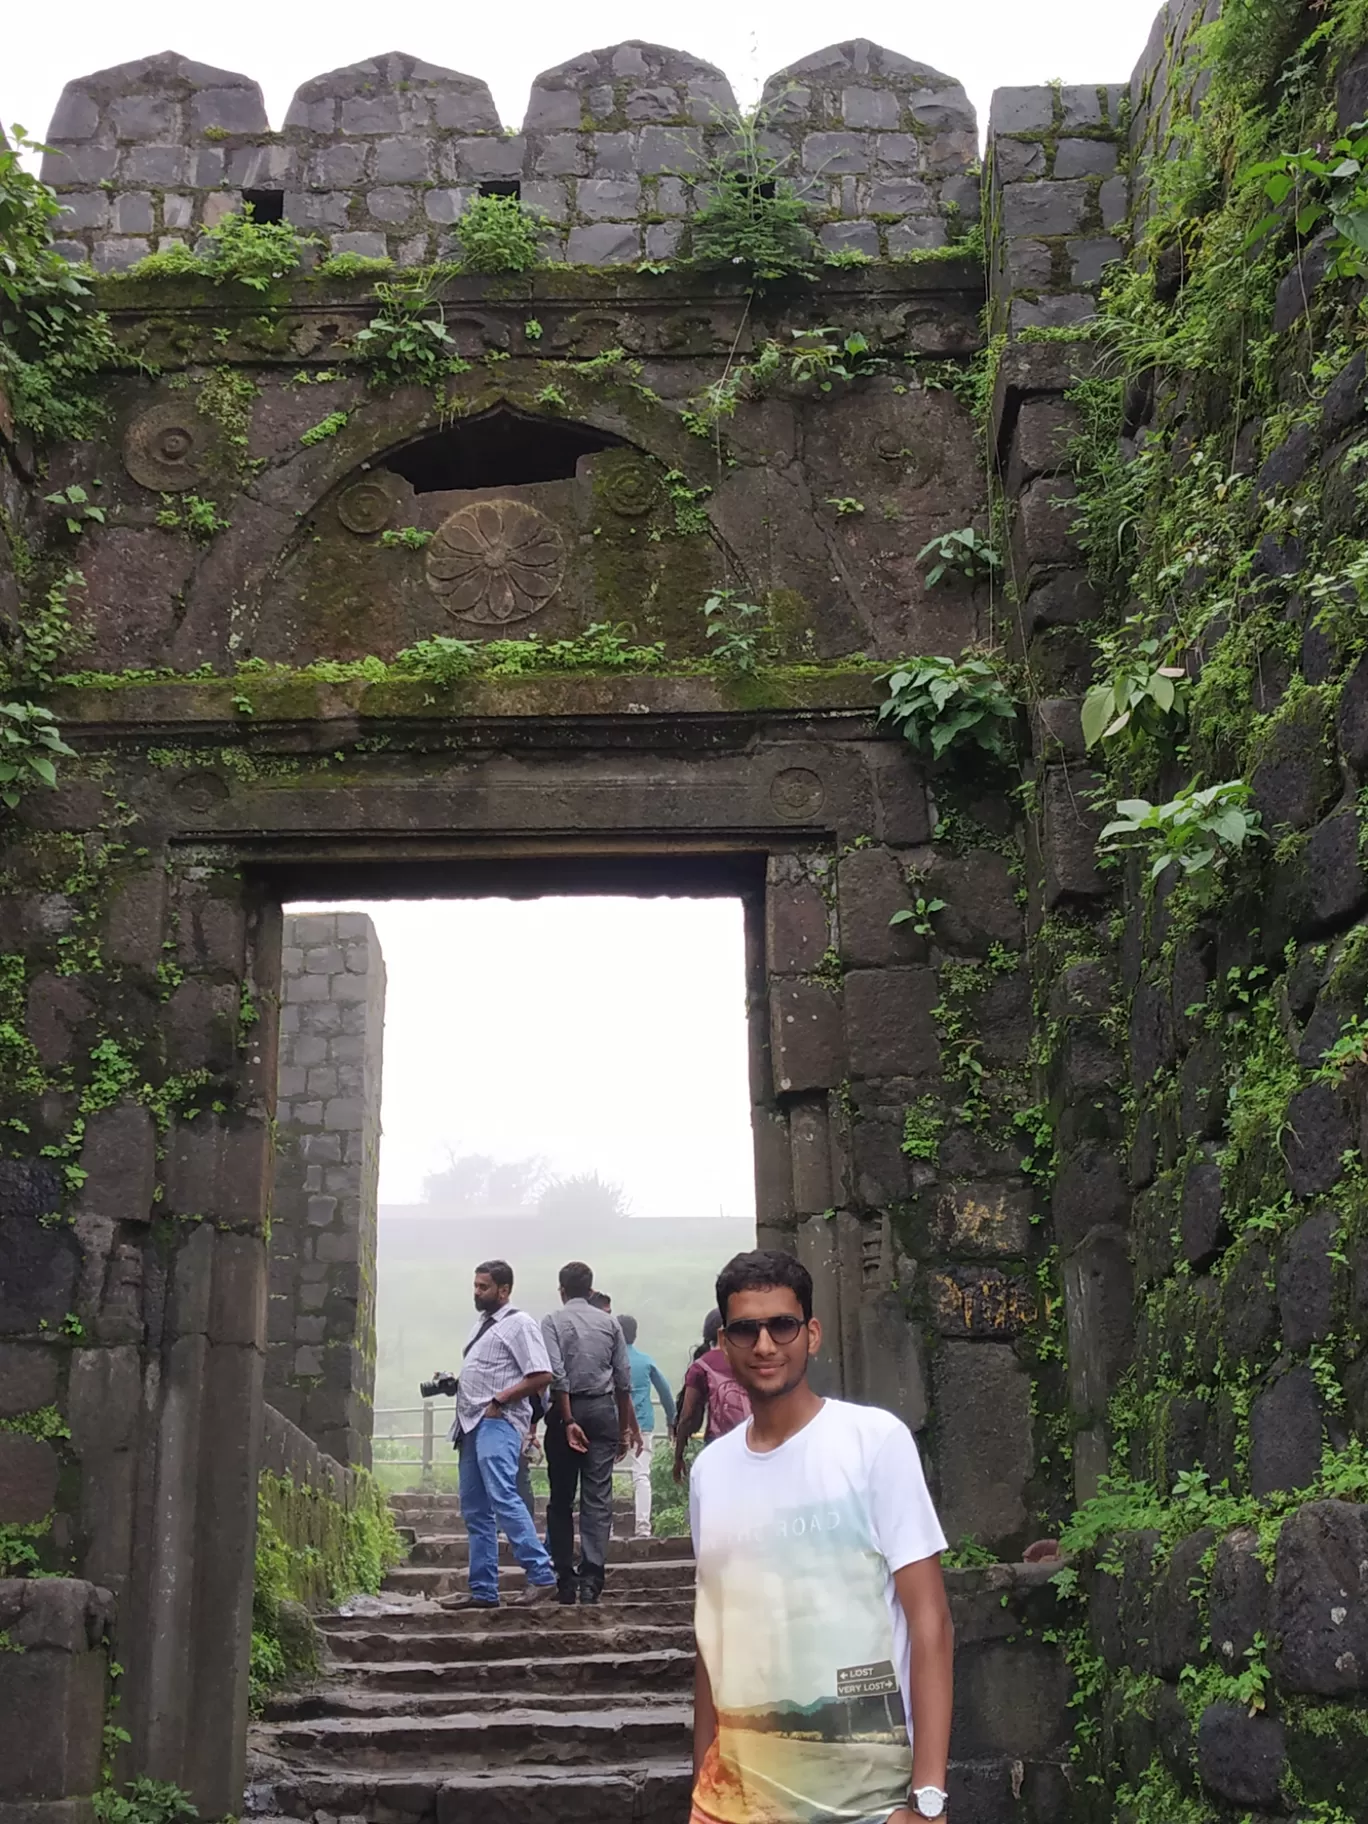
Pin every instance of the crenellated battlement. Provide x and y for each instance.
(381, 157)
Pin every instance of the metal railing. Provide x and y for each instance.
(426, 1437)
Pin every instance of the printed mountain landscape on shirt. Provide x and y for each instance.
(794, 1621)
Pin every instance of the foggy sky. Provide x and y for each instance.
(607, 1034)
(987, 45)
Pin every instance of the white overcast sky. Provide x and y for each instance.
(607, 1034)
(987, 44)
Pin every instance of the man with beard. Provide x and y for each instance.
(825, 1647)
(505, 1364)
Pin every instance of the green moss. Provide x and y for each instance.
(315, 1551)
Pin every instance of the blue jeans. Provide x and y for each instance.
(490, 1503)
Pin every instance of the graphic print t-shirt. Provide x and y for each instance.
(799, 1624)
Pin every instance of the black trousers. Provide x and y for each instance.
(591, 1474)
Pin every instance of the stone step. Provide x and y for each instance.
(454, 1548)
(656, 1792)
(350, 1700)
(450, 1580)
(561, 1738)
(426, 1618)
(661, 1668)
(470, 1647)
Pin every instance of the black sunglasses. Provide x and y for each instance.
(745, 1331)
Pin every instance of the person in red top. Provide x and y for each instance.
(711, 1390)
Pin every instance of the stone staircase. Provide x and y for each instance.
(562, 1715)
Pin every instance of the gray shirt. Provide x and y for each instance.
(587, 1349)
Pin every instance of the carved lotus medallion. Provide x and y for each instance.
(167, 448)
(496, 561)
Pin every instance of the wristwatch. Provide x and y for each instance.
(930, 1801)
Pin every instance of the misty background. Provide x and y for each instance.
(564, 1078)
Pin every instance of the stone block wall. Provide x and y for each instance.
(1294, 1599)
(1056, 200)
(54, 1686)
(320, 1363)
(381, 157)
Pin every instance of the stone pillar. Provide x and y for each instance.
(53, 1669)
(320, 1367)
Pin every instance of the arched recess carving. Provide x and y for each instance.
(501, 523)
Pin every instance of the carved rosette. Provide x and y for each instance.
(168, 448)
(630, 488)
(496, 561)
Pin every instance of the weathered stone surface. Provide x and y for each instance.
(807, 1037)
(119, 1158)
(983, 1221)
(38, 1263)
(871, 891)
(1332, 886)
(1238, 1597)
(1319, 1132)
(1099, 1308)
(1320, 1600)
(797, 927)
(28, 1479)
(1089, 1189)
(1285, 1434)
(979, 1302)
(889, 1029)
(1204, 1231)
(1177, 1626)
(1249, 1317)
(981, 1413)
(1306, 1281)
(1071, 830)
(979, 890)
(1241, 1758)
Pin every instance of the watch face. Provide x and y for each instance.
(931, 1801)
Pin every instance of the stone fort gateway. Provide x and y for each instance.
(958, 556)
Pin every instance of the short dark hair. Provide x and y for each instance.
(600, 1300)
(576, 1280)
(629, 1329)
(499, 1271)
(762, 1271)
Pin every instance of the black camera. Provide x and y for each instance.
(440, 1383)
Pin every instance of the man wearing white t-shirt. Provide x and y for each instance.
(825, 1647)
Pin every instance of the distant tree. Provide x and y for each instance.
(584, 1198)
(477, 1184)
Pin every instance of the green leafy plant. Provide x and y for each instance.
(19, 1548)
(325, 428)
(1317, 189)
(923, 1125)
(407, 538)
(238, 250)
(846, 505)
(1143, 694)
(77, 507)
(30, 743)
(1198, 831)
(52, 341)
(1349, 1052)
(499, 234)
(750, 220)
(193, 514)
(964, 553)
(828, 354)
(407, 343)
(940, 704)
(738, 631)
(143, 1801)
(919, 916)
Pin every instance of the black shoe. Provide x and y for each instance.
(567, 1594)
(588, 1594)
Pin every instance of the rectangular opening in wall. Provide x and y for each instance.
(266, 205)
(538, 1079)
(503, 186)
